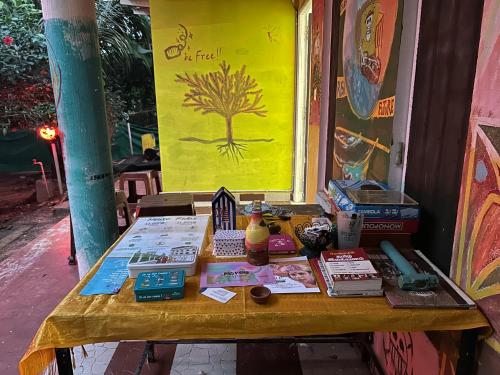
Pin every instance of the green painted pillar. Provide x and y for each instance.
(75, 65)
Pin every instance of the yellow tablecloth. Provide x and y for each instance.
(80, 320)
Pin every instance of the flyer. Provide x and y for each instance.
(108, 279)
(292, 275)
(219, 275)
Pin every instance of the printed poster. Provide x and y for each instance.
(292, 275)
(224, 76)
(369, 42)
(224, 274)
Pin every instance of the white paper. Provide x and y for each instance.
(352, 267)
(219, 294)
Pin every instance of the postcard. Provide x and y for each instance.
(219, 275)
(292, 275)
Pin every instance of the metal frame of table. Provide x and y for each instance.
(465, 363)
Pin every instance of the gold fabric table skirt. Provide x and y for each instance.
(80, 320)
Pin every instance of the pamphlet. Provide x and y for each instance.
(292, 275)
(215, 275)
(108, 279)
(218, 294)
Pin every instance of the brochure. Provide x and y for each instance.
(219, 275)
(108, 279)
(292, 275)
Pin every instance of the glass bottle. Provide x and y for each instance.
(257, 238)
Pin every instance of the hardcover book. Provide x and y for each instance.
(350, 270)
(322, 277)
(446, 295)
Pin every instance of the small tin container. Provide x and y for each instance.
(159, 286)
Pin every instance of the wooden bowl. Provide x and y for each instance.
(260, 294)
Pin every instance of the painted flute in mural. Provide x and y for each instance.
(226, 94)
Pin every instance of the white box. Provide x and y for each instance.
(229, 243)
(163, 243)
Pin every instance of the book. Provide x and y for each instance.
(322, 277)
(224, 274)
(342, 191)
(292, 275)
(446, 295)
(350, 270)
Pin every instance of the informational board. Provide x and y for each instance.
(370, 33)
(224, 76)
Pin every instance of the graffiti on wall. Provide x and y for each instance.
(476, 255)
(366, 85)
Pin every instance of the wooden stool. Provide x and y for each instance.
(123, 210)
(171, 204)
(145, 176)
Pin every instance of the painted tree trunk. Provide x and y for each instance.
(229, 130)
(72, 41)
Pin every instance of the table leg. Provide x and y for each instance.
(63, 359)
(132, 192)
(467, 352)
(72, 255)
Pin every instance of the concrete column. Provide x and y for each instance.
(75, 65)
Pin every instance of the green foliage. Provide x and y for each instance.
(125, 43)
(20, 20)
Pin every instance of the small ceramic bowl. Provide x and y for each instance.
(260, 294)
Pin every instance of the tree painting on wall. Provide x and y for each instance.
(226, 94)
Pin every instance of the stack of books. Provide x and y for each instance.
(348, 273)
(384, 211)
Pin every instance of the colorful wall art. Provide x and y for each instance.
(369, 39)
(224, 75)
(315, 82)
(406, 353)
(476, 255)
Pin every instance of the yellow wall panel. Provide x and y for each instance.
(194, 41)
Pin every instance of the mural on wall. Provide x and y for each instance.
(397, 353)
(224, 76)
(476, 255)
(318, 7)
(226, 94)
(366, 84)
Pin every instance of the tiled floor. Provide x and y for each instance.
(95, 359)
(225, 359)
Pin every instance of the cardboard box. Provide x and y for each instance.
(229, 243)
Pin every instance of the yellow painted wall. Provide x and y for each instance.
(259, 34)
